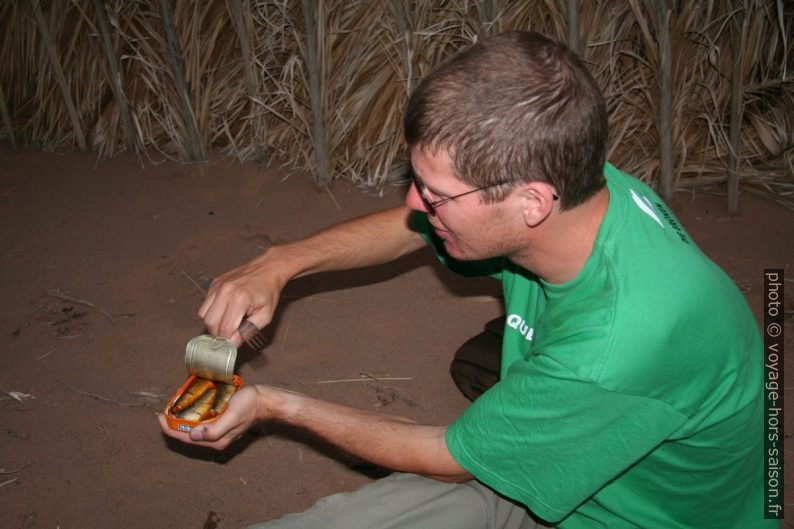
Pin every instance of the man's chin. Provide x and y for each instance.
(460, 254)
(454, 251)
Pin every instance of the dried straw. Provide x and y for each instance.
(369, 56)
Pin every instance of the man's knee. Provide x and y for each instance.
(475, 367)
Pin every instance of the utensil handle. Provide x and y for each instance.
(247, 329)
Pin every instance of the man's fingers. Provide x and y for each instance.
(261, 318)
(200, 435)
(224, 313)
(231, 320)
(214, 309)
(218, 435)
(205, 306)
(237, 340)
(170, 432)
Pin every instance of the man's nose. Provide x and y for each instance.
(413, 200)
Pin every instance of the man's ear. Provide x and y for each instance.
(537, 202)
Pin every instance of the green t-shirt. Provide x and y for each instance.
(629, 396)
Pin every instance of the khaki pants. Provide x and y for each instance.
(408, 501)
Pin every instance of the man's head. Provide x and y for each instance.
(516, 107)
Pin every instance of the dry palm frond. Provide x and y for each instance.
(370, 56)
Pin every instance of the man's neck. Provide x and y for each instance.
(561, 246)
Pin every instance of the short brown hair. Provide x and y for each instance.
(515, 107)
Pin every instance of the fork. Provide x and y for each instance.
(250, 334)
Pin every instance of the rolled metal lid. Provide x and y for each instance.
(211, 357)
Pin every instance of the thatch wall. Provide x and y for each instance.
(244, 78)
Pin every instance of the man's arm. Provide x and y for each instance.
(387, 440)
(252, 290)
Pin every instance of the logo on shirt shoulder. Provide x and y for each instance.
(648, 208)
(514, 321)
(645, 205)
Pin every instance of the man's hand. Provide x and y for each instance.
(241, 413)
(251, 291)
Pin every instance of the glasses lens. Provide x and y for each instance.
(423, 194)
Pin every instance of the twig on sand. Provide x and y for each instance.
(23, 467)
(113, 447)
(149, 395)
(363, 377)
(12, 433)
(333, 199)
(378, 379)
(16, 395)
(45, 355)
(286, 333)
(66, 297)
(195, 283)
(100, 397)
(8, 482)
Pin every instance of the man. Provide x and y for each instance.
(629, 392)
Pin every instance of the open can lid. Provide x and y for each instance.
(211, 357)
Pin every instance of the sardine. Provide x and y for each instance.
(202, 408)
(196, 389)
(225, 392)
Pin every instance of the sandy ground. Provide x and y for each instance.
(102, 266)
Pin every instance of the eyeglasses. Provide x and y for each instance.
(431, 205)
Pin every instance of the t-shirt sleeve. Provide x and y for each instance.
(486, 267)
(550, 440)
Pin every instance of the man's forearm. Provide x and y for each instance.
(386, 440)
(370, 240)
